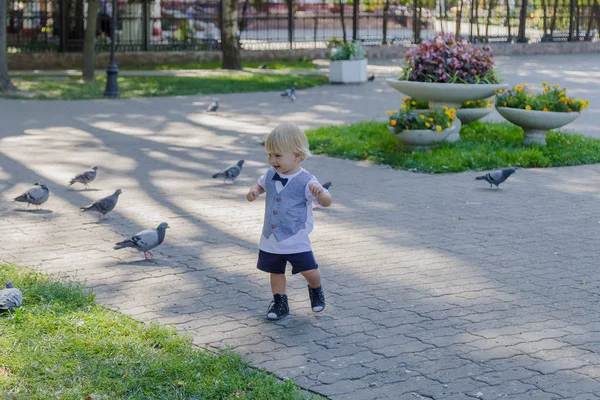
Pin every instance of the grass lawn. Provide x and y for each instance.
(482, 146)
(61, 345)
(279, 65)
(73, 88)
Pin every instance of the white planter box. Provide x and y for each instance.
(348, 71)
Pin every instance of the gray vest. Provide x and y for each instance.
(285, 212)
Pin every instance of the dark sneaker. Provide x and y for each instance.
(279, 307)
(317, 298)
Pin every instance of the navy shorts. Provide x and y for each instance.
(275, 263)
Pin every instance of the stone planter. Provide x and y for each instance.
(536, 123)
(451, 95)
(467, 115)
(421, 139)
(348, 71)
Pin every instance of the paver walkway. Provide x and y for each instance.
(437, 287)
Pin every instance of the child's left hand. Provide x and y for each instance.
(316, 189)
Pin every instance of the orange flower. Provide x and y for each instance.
(393, 122)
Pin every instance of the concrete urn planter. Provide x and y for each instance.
(348, 71)
(421, 139)
(536, 123)
(451, 95)
(467, 115)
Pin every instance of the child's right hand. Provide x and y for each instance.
(252, 195)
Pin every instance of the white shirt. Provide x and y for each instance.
(300, 242)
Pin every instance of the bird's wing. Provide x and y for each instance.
(89, 175)
(36, 193)
(233, 171)
(146, 240)
(10, 298)
(106, 204)
(495, 176)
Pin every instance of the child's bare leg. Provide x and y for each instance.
(313, 277)
(278, 283)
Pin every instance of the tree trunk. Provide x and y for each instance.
(231, 49)
(5, 83)
(89, 55)
(342, 3)
(386, 11)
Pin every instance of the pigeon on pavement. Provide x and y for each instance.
(231, 172)
(145, 240)
(496, 177)
(10, 297)
(289, 93)
(371, 78)
(212, 107)
(85, 177)
(37, 195)
(104, 205)
(326, 185)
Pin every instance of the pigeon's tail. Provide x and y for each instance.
(124, 244)
(72, 181)
(21, 198)
(218, 174)
(86, 208)
(480, 178)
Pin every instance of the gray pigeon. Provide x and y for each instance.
(290, 93)
(327, 185)
(85, 177)
(212, 107)
(103, 206)
(231, 172)
(36, 195)
(145, 240)
(10, 297)
(496, 177)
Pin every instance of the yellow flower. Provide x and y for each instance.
(449, 124)
(393, 122)
(445, 108)
(421, 116)
(528, 107)
(430, 119)
(500, 91)
(545, 109)
(438, 128)
(427, 124)
(544, 83)
(403, 106)
(390, 112)
(414, 103)
(504, 104)
(570, 110)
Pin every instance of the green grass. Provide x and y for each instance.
(72, 88)
(61, 345)
(482, 146)
(278, 65)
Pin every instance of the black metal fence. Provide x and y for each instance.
(59, 25)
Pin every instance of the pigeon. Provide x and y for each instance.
(10, 297)
(231, 172)
(145, 240)
(212, 107)
(85, 177)
(290, 93)
(496, 177)
(371, 78)
(36, 195)
(104, 205)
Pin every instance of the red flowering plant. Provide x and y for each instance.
(449, 59)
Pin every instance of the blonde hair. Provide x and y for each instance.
(288, 138)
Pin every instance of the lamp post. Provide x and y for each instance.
(112, 72)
